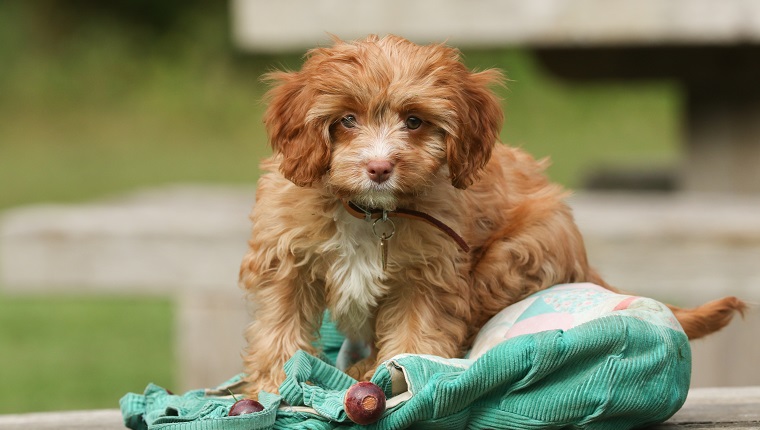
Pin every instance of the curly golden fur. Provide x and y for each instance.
(430, 128)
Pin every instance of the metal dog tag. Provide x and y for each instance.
(384, 251)
(387, 232)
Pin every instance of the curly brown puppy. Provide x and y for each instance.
(390, 202)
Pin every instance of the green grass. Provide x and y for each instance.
(581, 127)
(61, 353)
(96, 107)
(204, 125)
(87, 119)
(83, 119)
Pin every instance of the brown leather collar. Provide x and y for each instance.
(370, 214)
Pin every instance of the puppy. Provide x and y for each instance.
(391, 203)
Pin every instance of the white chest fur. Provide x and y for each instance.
(355, 277)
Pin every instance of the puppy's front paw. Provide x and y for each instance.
(362, 370)
(268, 381)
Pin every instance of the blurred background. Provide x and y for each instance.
(130, 135)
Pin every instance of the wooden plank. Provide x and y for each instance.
(105, 419)
(170, 239)
(209, 337)
(258, 25)
(694, 247)
(705, 408)
(724, 408)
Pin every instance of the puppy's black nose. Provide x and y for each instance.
(379, 170)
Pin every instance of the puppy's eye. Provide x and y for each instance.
(348, 121)
(413, 123)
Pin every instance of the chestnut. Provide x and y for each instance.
(245, 406)
(364, 403)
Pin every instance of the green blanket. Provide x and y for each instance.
(626, 366)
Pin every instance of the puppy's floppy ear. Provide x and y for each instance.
(469, 148)
(302, 143)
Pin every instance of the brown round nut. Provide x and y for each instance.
(364, 403)
(245, 406)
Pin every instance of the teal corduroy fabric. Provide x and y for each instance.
(614, 372)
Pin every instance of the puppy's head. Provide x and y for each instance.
(381, 119)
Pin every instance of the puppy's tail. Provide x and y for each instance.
(708, 318)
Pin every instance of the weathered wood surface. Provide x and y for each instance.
(258, 24)
(706, 408)
(105, 419)
(713, 408)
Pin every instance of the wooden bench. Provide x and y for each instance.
(705, 408)
(186, 242)
(711, 48)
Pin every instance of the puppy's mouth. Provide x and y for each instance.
(391, 194)
(398, 188)
(373, 197)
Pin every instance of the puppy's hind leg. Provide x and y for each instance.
(529, 255)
